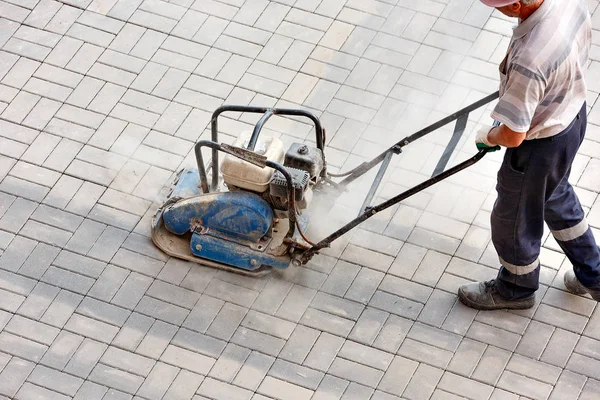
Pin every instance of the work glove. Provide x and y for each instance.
(482, 141)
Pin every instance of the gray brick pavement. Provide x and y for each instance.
(101, 102)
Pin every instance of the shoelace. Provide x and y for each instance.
(489, 285)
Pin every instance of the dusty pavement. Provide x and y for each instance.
(101, 102)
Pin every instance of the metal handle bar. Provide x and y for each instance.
(268, 113)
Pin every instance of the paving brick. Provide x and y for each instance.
(220, 390)
(92, 391)
(92, 328)
(188, 360)
(14, 375)
(21, 347)
(83, 361)
(29, 390)
(127, 361)
(32, 330)
(230, 362)
(115, 378)
(524, 386)
(491, 365)
(16, 283)
(61, 308)
(38, 301)
(204, 313)
(61, 350)
(54, 380)
(199, 343)
(253, 371)
(276, 388)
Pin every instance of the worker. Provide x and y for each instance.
(542, 115)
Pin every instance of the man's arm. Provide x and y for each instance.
(504, 136)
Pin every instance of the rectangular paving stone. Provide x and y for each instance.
(491, 365)
(16, 283)
(158, 381)
(157, 339)
(220, 390)
(524, 386)
(569, 386)
(14, 375)
(396, 305)
(38, 301)
(29, 390)
(199, 343)
(425, 353)
(534, 369)
(137, 262)
(91, 391)
(61, 350)
(92, 328)
(327, 322)
(21, 347)
(355, 372)
(67, 280)
(127, 361)
(298, 375)
(535, 340)
(45, 233)
(103, 311)
(16, 216)
(258, 341)
(227, 321)
(16, 253)
(229, 363)
(203, 314)
(160, 310)
(85, 236)
(188, 360)
(299, 345)
(559, 348)
(184, 387)
(79, 264)
(115, 378)
(276, 388)
(133, 332)
(173, 294)
(32, 330)
(54, 380)
(132, 291)
(86, 357)
(61, 308)
(493, 336)
(108, 244)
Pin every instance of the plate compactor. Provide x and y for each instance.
(251, 217)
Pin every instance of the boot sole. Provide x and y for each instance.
(506, 306)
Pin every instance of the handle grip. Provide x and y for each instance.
(481, 146)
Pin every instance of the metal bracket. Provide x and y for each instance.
(246, 155)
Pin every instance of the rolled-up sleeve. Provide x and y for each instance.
(522, 94)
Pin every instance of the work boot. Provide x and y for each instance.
(574, 286)
(485, 296)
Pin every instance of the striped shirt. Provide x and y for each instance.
(542, 85)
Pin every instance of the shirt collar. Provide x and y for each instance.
(524, 27)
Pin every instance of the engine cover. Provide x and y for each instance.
(279, 185)
(306, 158)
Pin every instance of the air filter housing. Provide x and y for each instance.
(278, 186)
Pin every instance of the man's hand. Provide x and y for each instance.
(483, 136)
(499, 136)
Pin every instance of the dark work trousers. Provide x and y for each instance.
(532, 188)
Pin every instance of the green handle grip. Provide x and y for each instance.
(489, 149)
